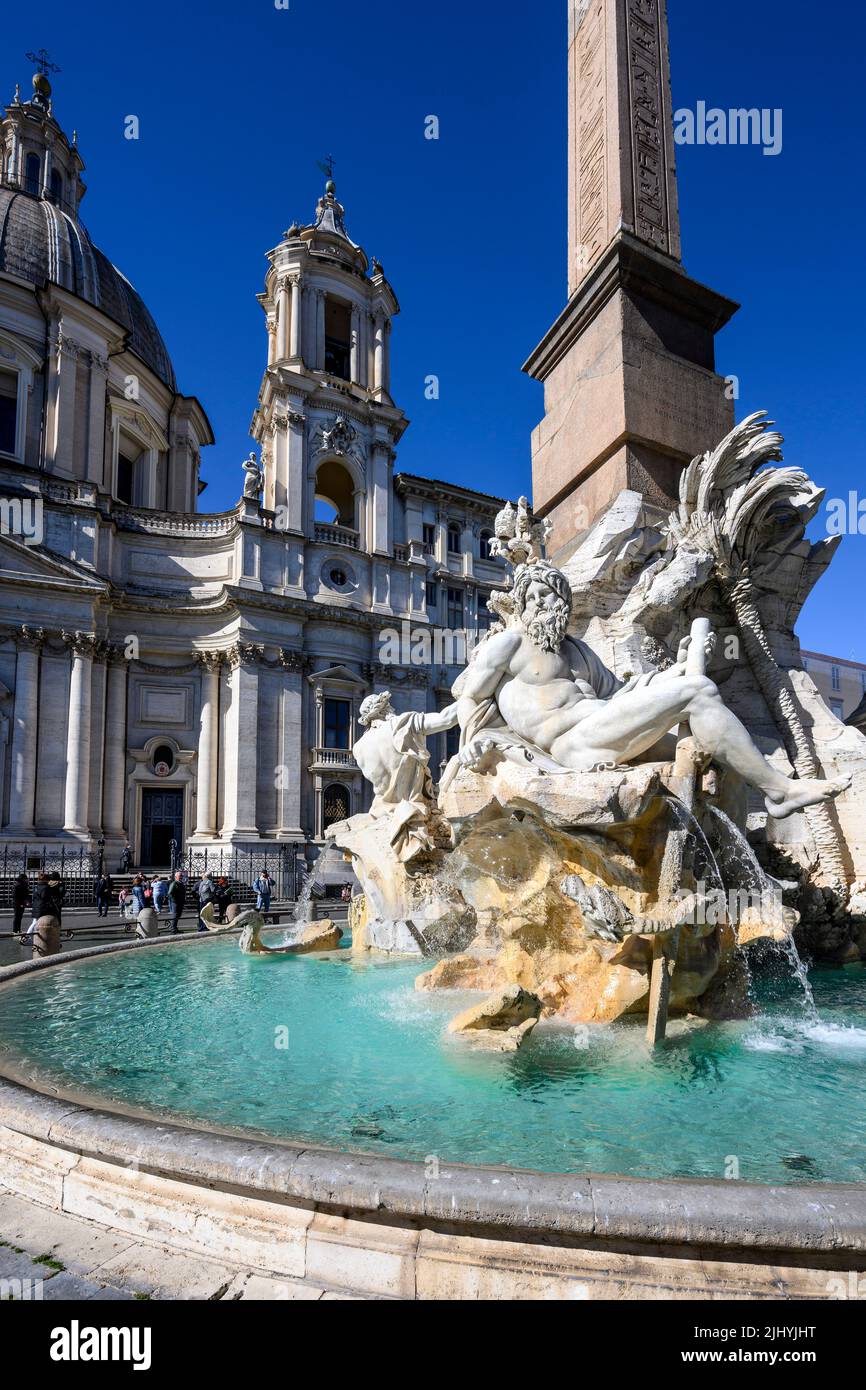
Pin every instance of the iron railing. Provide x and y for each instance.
(80, 868)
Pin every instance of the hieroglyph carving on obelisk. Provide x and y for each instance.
(621, 150)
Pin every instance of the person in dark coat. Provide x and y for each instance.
(176, 902)
(223, 897)
(126, 859)
(103, 895)
(20, 900)
(48, 897)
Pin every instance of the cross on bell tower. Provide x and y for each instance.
(41, 82)
(42, 61)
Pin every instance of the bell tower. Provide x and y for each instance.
(36, 157)
(326, 421)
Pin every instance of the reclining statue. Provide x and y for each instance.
(539, 697)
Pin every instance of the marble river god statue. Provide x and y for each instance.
(585, 825)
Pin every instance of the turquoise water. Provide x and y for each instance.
(198, 1035)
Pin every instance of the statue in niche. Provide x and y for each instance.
(254, 482)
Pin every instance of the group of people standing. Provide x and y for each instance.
(172, 896)
(163, 894)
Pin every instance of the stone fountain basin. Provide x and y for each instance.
(365, 1224)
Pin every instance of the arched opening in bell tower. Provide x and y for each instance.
(338, 338)
(335, 495)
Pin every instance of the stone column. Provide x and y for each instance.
(272, 341)
(295, 346)
(469, 542)
(295, 458)
(15, 158)
(95, 462)
(22, 794)
(320, 330)
(379, 353)
(78, 736)
(442, 538)
(379, 499)
(291, 746)
(114, 790)
(241, 743)
(283, 320)
(97, 737)
(208, 743)
(60, 430)
(46, 171)
(308, 324)
(365, 348)
(355, 360)
(386, 371)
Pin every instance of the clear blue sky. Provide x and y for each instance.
(238, 101)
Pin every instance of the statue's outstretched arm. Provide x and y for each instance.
(441, 721)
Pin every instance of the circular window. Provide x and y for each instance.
(163, 760)
(338, 576)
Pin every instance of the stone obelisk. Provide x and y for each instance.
(631, 391)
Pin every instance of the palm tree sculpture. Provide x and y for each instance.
(739, 515)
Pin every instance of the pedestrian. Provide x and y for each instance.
(223, 897)
(48, 896)
(160, 893)
(140, 894)
(176, 902)
(20, 900)
(263, 888)
(207, 893)
(122, 900)
(103, 895)
(126, 858)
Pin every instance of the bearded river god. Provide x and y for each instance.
(539, 696)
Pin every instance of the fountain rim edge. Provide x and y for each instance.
(819, 1217)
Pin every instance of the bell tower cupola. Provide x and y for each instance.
(325, 408)
(329, 311)
(36, 156)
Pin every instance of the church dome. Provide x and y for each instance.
(39, 242)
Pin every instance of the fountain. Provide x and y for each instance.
(560, 855)
(578, 955)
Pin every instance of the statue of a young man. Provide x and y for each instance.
(535, 692)
(393, 757)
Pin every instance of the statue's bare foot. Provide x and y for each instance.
(806, 791)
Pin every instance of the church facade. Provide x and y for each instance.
(168, 675)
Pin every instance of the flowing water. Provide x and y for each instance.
(191, 1033)
(742, 867)
(304, 912)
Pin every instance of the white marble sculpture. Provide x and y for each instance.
(393, 756)
(399, 847)
(569, 848)
(536, 695)
(254, 481)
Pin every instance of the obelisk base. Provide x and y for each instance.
(630, 388)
